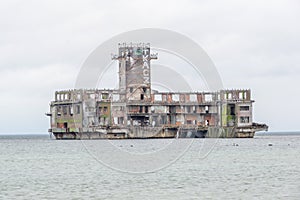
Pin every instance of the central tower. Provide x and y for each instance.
(134, 71)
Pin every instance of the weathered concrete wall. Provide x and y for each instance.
(134, 104)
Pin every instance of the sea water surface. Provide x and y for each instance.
(37, 167)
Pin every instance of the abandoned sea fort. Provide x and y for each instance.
(134, 110)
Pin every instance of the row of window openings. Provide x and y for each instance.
(90, 96)
(102, 96)
(242, 95)
(188, 109)
(68, 110)
(104, 109)
(142, 109)
(105, 120)
(62, 97)
(206, 122)
(120, 120)
(244, 108)
(182, 98)
(157, 97)
(163, 120)
(193, 97)
(101, 109)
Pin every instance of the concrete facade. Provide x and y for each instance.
(134, 110)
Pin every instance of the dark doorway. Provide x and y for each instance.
(141, 109)
(231, 109)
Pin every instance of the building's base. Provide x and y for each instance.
(138, 132)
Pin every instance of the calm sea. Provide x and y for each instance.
(37, 167)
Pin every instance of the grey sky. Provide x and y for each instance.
(254, 44)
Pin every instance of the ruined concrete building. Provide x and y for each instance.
(134, 110)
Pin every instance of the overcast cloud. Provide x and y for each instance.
(254, 44)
